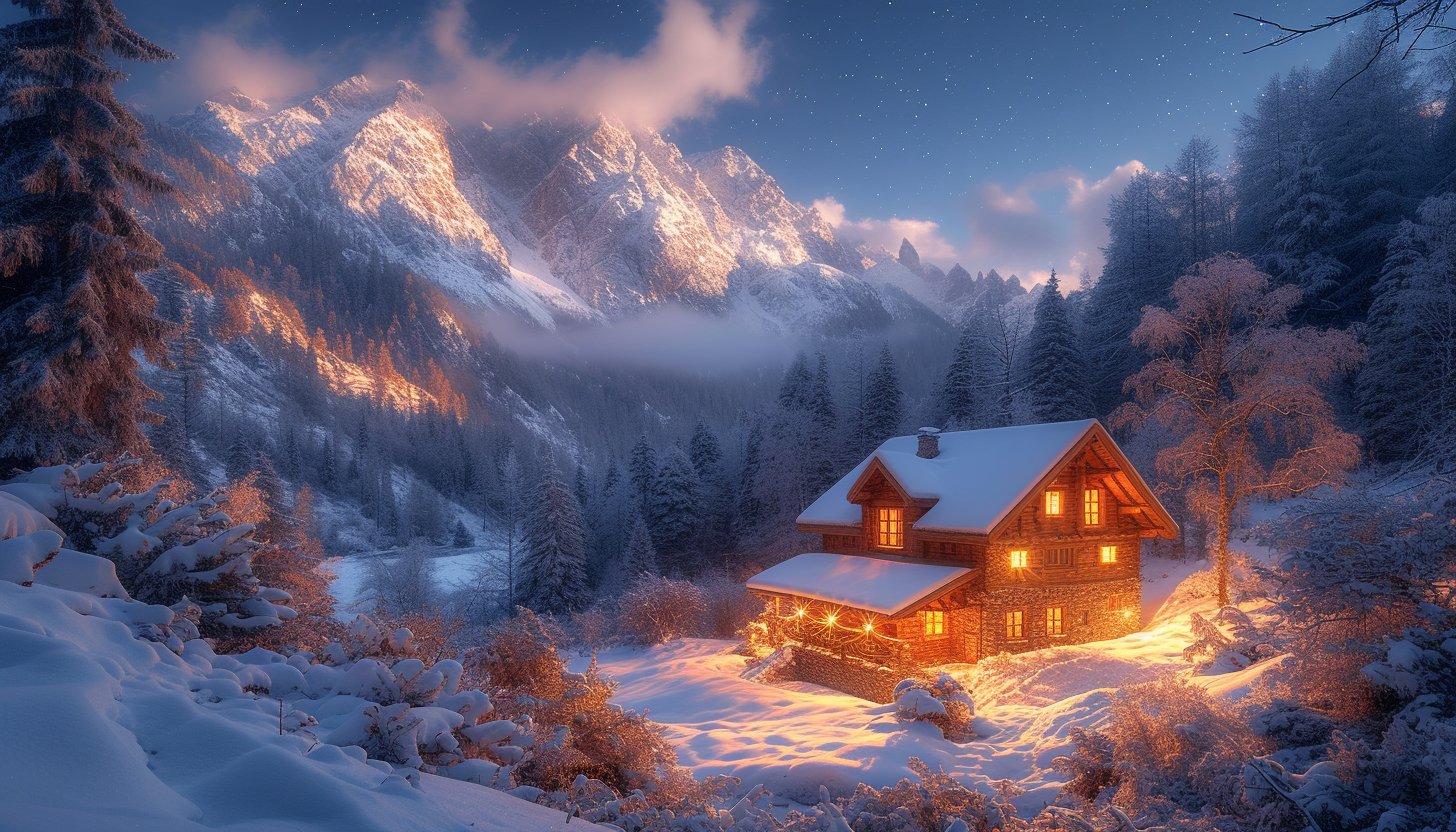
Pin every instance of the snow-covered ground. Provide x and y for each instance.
(793, 737)
(105, 731)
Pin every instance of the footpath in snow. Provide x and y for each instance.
(793, 737)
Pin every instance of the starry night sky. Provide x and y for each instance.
(907, 109)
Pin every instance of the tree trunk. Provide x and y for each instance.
(1223, 522)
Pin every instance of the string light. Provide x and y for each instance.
(831, 622)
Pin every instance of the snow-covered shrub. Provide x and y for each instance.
(160, 551)
(729, 606)
(594, 627)
(937, 802)
(578, 730)
(1227, 641)
(1169, 750)
(942, 702)
(657, 609)
(404, 582)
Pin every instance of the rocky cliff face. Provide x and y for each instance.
(554, 221)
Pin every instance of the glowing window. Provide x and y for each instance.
(1054, 621)
(1114, 602)
(1018, 558)
(1053, 503)
(1015, 627)
(1109, 554)
(934, 622)
(1092, 506)
(890, 528)
(1059, 557)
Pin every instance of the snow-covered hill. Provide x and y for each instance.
(107, 731)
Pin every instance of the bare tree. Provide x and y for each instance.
(1412, 20)
(1240, 388)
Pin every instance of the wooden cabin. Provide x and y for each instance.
(948, 547)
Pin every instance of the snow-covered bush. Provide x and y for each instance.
(159, 551)
(657, 609)
(1404, 775)
(578, 730)
(942, 702)
(937, 802)
(729, 606)
(1228, 641)
(1169, 751)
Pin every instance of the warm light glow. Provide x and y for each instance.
(1018, 558)
(1092, 506)
(869, 625)
(1015, 627)
(830, 619)
(890, 528)
(934, 622)
(1053, 503)
(1054, 621)
(799, 613)
(1127, 613)
(1109, 554)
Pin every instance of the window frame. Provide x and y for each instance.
(889, 526)
(1056, 621)
(1053, 504)
(932, 623)
(1015, 625)
(1092, 506)
(1115, 603)
(1107, 554)
(1053, 562)
(1021, 555)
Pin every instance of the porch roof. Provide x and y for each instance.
(882, 585)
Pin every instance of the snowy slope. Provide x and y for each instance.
(794, 737)
(105, 731)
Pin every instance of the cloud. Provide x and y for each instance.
(235, 54)
(696, 60)
(925, 235)
(1049, 220)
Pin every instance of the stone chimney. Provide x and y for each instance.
(929, 443)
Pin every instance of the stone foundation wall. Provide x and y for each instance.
(1076, 600)
(854, 677)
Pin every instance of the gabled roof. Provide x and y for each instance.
(889, 587)
(981, 478)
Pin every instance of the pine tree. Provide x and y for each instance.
(797, 390)
(958, 391)
(638, 557)
(885, 403)
(70, 250)
(554, 571)
(327, 464)
(823, 463)
(750, 506)
(1057, 375)
(240, 457)
(462, 538)
(674, 518)
(705, 451)
(643, 468)
(1383, 391)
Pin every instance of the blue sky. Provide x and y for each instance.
(990, 133)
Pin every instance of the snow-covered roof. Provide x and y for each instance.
(978, 478)
(890, 587)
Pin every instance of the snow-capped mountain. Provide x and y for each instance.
(554, 221)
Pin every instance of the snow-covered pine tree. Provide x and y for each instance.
(750, 506)
(1307, 217)
(958, 398)
(554, 568)
(642, 466)
(824, 446)
(797, 390)
(885, 403)
(462, 538)
(327, 464)
(239, 458)
(715, 495)
(675, 515)
(638, 557)
(1056, 372)
(1383, 386)
(74, 311)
